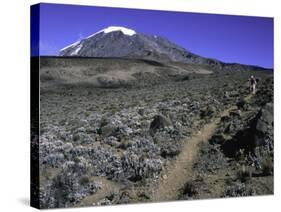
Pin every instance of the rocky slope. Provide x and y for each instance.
(111, 143)
(238, 159)
(123, 42)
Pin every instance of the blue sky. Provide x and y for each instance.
(241, 39)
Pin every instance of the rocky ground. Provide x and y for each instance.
(114, 140)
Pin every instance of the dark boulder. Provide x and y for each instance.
(207, 111)
(108, 130)
(244, 139)
(217, 139)
(159, 122)
(225, 119)
(235, 113)
(242, 104)
(264, 124)
(170, 151)
(266, 118)
(253, 134)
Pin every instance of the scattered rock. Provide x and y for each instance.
(159, 122)
(108, 130)
(242, 104)
(207, 111)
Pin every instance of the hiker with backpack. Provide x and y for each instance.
(253, 84)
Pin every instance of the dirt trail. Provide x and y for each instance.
(178, 173)
(108, 187)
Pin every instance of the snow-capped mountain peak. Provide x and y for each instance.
(121, 42)
(124, 30)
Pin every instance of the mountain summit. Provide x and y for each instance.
(115, 41)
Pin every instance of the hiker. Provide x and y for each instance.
(253, 84)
